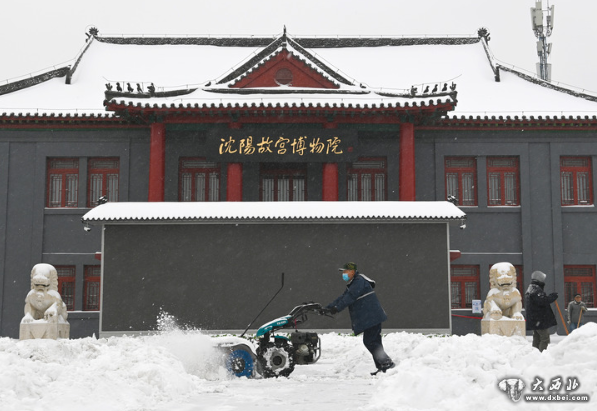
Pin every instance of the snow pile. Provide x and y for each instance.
(575, 355)
(124, 373)
(180, 369)
(463, 372)
(452, 372)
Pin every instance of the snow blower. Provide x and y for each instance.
(274, 355)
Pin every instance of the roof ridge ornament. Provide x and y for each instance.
(92, 32)
(484, 33)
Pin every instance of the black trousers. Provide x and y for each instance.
(541, 339)
(372, 341)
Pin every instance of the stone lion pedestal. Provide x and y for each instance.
(503, 305)
(504, 326)
(45, 312)
(43, 329)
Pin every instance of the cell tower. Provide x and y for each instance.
(542, 27)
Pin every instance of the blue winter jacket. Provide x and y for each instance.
(363, 305)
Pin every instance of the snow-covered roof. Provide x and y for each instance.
(378, 72)
(274, 211)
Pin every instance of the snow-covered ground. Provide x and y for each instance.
(179, 370)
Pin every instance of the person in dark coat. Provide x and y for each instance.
(540, 316)
(366, 313)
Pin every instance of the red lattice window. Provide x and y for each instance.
(283, 182)
(465, 285)
(91, 288)
(102, 180)
(63, 182)
(575, 181)
(461, 179)
(580, 279)
(66, 284)
(367, 180)
(199, 180)
(503, 186)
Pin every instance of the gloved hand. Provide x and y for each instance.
(553, 296)
(328, 311)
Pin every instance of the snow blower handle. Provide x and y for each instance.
(326, 312)
(251, 323)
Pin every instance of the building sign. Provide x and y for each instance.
(296, 145)
(477, 308)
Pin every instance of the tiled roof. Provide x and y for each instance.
(274, 211)
(345, 95)
(372, 73)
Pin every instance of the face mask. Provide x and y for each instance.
(345, 277)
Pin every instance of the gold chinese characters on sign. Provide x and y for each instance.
(280, 146)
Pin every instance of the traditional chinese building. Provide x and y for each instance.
(183, 119)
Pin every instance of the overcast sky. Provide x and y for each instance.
(39, 34)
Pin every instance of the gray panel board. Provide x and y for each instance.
(219, 276)
(497, 230)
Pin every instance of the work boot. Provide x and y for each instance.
(384, 368)
(388, 366)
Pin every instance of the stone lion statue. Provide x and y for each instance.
(43, 302)
(503, 298)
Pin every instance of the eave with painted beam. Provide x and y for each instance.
(283, 113)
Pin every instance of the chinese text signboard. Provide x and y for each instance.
(282, 146)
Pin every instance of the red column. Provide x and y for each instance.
(407, 187)
(234, 185)
(157, 162)
(330, 182)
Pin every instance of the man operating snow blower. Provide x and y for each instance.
(366, 313)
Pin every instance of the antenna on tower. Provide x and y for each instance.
(542, 20)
